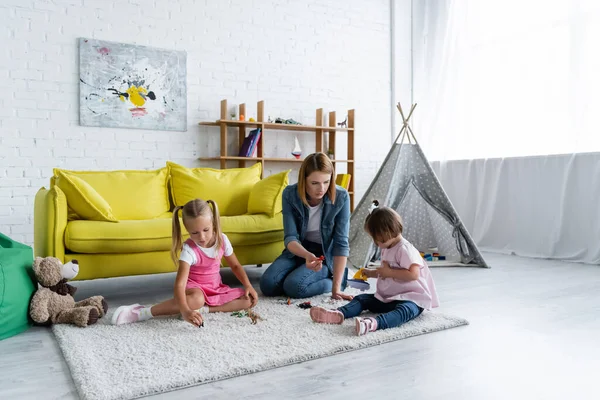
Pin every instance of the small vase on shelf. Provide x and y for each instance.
(297, 152)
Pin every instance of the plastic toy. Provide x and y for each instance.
(254, 316)
(359, 280)
(239, 314)
(252, 120)
(242, 118)
(305, 305)
(360, 275)
(344, 123)
(359, 284)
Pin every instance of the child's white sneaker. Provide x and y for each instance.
(365, 325)
(127, 314)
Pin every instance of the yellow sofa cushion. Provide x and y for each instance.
(252, 223)
(132, 195)
(265, 196)
(83, 199)
(229, 188)
(129, 236)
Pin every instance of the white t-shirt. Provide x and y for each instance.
(189, 256)
(313, 230)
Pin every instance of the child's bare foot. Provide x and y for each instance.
(324, 316)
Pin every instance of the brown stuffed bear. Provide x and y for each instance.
(53, 303)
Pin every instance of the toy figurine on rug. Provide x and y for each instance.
(53, 302)
(254, 317)
(305, 305)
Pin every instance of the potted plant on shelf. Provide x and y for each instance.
(330, 154)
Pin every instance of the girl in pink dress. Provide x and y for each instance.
(198, 286)
(405, 286)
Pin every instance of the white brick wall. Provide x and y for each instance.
(296, 55)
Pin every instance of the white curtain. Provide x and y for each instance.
(501, 82)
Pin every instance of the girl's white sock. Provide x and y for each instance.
(146, 313)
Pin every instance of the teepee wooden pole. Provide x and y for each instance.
(405, 122)
(399, 106)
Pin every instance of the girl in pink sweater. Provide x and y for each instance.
(405, 286)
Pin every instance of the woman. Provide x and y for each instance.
(316, 217)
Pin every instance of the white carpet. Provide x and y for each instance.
(130, 361)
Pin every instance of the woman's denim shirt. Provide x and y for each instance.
(335, 222)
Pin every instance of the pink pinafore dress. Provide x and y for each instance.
(205, 275)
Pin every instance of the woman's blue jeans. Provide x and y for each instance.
(391, 315)
(290, 277)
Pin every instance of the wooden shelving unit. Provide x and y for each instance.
(319, 129)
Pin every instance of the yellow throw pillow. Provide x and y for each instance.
(265, 196)
(229, 188)
(132, 194)
(84, 199)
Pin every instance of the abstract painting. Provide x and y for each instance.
(129, 86)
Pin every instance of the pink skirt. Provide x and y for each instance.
(216, 295)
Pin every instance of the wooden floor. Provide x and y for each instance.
(534, 334)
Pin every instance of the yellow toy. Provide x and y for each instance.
(252, 120)
(360, 275)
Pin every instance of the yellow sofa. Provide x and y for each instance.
(118, 223)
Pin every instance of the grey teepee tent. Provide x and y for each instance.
(407, 183)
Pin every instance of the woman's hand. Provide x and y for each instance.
(193, 317)
(252, 295)
(337, 295)
(313, 263)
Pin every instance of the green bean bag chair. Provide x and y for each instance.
(16, 286)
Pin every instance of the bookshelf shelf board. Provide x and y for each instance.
(273, 126)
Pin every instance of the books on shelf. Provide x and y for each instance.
(248, 148)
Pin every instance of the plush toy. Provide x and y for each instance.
(53, 302)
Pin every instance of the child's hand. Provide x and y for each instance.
(193, 317)
(252, 295)
(385, 271)
(314, 263)
(370, 273)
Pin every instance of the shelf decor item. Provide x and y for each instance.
(325, 136)
(297, 152)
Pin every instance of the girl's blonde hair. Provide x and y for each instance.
(383, 223)
(194, 209)
(316, 162)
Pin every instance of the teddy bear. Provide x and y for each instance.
(53, 302)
